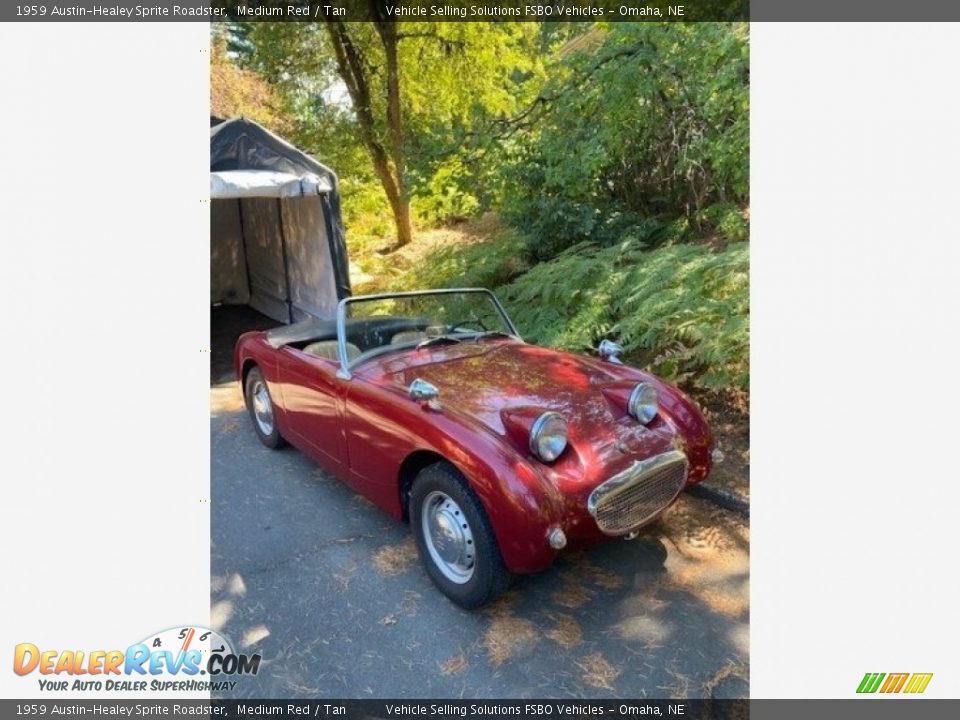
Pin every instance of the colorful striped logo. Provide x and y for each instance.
(894, 682)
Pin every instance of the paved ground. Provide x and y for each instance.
(331, 593)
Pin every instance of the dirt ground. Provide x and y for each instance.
(729, 418)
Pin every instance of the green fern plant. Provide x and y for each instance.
(682, 310)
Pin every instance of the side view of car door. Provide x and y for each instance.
(310, 390)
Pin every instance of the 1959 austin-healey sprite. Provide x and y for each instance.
(499, 453)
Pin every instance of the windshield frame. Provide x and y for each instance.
(346, 364)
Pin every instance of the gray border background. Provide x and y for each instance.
(879, 709)
(759, 10)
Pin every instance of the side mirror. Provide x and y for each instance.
(422, 391)
(610, 351)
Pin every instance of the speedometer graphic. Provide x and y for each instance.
(182, 642)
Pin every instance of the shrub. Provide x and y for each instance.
(682, 310)
(646, 126)
(488, 264)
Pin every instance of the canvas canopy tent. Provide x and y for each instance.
(276, 234)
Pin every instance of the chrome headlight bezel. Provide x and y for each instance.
(548, 426)
(644, 403)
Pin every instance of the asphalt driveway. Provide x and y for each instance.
(331, 593)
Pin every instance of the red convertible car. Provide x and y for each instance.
(499, 453)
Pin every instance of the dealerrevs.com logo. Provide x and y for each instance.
(910, 683)
(181, 659)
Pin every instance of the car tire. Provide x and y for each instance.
(454, 538)
(261, 408)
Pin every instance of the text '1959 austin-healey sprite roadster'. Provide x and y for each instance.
(499, 453)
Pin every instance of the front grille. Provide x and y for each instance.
(641, 492)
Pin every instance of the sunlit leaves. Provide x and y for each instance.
(645, 121)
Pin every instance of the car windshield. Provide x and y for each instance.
(374, 324)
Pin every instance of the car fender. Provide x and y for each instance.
(683, 414)
(251, 349)
(520, 502)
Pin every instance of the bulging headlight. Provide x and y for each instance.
(643, 403)
(548, 436)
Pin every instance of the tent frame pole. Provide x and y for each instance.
(243, 246)
(286, 263)
(327, 209)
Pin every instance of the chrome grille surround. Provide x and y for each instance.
(635, 496)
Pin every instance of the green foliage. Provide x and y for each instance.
(454, 78)
(727, 219)
(235, 92)
(681, 310)
(480, 264)
(444, 195)
(366, 214)
(641, 123)
(482, 255)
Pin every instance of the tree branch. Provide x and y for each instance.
(517, 122)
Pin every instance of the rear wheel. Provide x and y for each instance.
(260, 405)
(454, 538)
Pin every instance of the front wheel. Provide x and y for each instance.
(454, 538)
(260, 405)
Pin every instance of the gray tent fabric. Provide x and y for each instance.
(276, 234)
(229, 184)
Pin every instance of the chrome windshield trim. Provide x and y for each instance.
(345, 364)
(344, 371)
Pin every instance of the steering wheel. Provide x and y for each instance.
(464, 325)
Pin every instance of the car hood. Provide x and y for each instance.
(484, 379)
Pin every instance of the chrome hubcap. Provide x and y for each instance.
(448, 537)
(262, 408)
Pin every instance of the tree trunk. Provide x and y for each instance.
(388, 158)
(399, 205)
(387, 30)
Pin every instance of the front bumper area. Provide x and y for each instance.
(637, 495)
